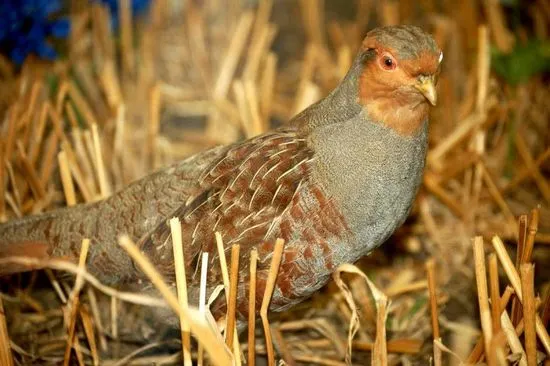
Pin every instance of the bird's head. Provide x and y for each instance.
(400, 67)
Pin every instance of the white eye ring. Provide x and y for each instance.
(441, 57)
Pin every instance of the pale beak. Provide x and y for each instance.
(426, 86)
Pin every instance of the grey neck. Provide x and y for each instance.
(339, 106)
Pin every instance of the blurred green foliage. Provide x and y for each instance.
(511, 3)
(523, 62)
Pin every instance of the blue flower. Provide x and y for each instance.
(26, 25)
(139, 7)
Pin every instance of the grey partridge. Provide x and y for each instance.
(334, 183)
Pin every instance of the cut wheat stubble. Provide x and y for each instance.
(226, 287)
(483, 298)
(198, 323)
(252, 308)
(514, 279)
(430, 269)
(529, 312)
(269, 288)
(5, 348)
(232, 303)
(379, 356)
(181, 285)
(73, 305)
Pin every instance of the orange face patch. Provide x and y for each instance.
(390, 96)
(393, 114)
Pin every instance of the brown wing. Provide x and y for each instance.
(243, 194)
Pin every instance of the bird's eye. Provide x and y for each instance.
(388, 62)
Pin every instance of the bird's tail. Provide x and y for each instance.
(29, 237)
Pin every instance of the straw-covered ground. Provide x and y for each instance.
(465, 274)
